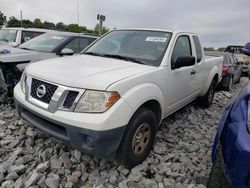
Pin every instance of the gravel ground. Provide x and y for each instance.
(180, 158)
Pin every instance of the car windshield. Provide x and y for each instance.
(139, 46)
(44, 43)
(8, 35)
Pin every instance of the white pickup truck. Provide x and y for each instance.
(110, 100)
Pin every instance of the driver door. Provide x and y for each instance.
(180, 90)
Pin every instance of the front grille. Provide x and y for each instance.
(50, 90)
(70, 99)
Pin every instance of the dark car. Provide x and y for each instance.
(233, 49)
(231, 149)
(232, 70)
(246, 49)
(49, 45)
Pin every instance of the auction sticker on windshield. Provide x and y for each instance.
(57, 37)
(156, 39)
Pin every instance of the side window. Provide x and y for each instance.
(235, 59)
(231, 59)
(27, 35)
(182, 48)
(198, 48)
(74, 45)
(84, 42)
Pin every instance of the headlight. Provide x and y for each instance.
(23, 81)
(96, 101)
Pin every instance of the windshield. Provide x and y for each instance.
(44, 43)
(139, 46)
(8, 35)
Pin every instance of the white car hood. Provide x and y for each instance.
(85, 71)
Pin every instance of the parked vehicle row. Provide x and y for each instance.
(46, 46)
(16, 36)
(231, 71)
(110, 100)
(242, 58)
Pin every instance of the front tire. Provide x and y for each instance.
(138, 138)
(217, 177)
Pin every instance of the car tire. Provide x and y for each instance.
(138, 138)
(217, 177)
(207, 99)
(230, 84)
(238, 81)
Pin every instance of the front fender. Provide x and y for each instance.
(142, 93)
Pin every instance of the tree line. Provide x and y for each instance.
(37, 23)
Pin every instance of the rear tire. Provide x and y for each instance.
(238, 81)
(207, 99)
(138, 138)
(217, 178)
(230, 84)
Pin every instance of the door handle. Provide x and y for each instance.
(193, 72)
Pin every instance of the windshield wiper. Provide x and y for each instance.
(24, 48)
(93, 53)
(125, 58)
(5, 40)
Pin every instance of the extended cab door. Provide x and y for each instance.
(181, 88)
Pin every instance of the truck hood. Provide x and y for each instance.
(85, 71)
(11, 55)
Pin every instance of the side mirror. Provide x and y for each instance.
(66, 51)
(26, 39)
(184, 61)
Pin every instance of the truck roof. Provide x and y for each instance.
(73, 34)
(164, 30)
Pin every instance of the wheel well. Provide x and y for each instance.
(155, 107)
(216, 78)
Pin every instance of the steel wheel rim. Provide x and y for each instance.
(141, 139)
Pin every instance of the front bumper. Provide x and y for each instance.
(96, 134)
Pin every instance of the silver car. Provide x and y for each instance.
(49, 45)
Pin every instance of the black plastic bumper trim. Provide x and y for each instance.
(104, 143)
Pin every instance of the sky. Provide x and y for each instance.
(218, 22)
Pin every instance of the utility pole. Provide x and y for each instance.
(78, 12)
(101, 19)
(21, 18)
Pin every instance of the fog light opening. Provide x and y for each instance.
(90, 142)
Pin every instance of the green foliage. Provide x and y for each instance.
(76, 28)
(13, 22)
(48, 25)
(61, 26)
(104, 29)
(2, 19)
(37, 23)
(221, 49)
(209, 49)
